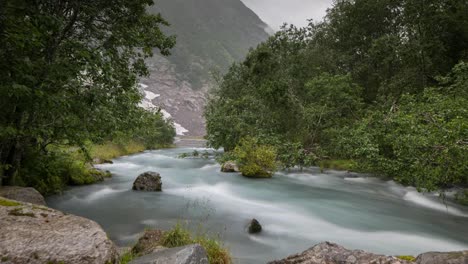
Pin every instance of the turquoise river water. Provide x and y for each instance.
(296, 209)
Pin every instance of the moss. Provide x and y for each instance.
(4, 259)
(19, 212)
(407, 258)
(8, 203)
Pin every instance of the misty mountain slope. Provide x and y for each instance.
(211, 35)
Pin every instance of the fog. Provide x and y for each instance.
(297, 12)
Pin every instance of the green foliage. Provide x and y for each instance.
(407, 258)
(348, 165)
(217, 254)
(294, 154)
(462, 197)
(69, 74)
(126, 257)
(381, 84)
(254, 159)
(176, 237)
(180, 236)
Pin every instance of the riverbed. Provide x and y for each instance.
(297, 209)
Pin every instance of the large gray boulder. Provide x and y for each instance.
(229, 166)
(329, 253)
(22, 194)
(191, 254)
(148, 181)
(459, 257)
(36, 234)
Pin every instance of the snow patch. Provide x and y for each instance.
(150, 95)
(166, 114)
(180, 130)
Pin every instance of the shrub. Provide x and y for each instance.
(180, 236)
(255, 160)
(462, 197)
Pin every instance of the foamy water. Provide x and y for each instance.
(297, 209)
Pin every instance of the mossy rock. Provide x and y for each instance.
(4, 202)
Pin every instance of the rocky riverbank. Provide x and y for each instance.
(330, 253)
(30, 232)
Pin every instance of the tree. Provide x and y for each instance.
(69, 71)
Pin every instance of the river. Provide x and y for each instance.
(297, 209)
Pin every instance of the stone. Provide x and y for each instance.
(148, 181)
(330, 253)
(22, 194)
(457, 257)
(36, 234)
(191, 254)
(255, 227)
(149, 242)
(229, 166)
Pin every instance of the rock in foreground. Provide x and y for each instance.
(148, 181)
(191, 254)
(329, 253)
(460, 257)
(22, 194)
(255, 227)
(229, 166)
(37, 234)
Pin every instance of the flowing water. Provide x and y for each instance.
(296, 209)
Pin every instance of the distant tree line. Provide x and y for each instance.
(381, 82)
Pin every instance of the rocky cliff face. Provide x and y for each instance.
(211, 35)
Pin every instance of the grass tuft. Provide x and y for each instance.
(126, 257)
(181, 236)
(407, 258)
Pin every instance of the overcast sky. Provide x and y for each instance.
(276, 12)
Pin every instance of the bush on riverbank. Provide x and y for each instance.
(346, 90)
(254, 159)
(61, 166)
(180, 236)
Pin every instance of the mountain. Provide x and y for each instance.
(211, 35)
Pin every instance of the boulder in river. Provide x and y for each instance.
(191, 254)
(329, 253)
(148, 181)
(458, 257)
(37, 234)
(22, 194)
(255, 227)
(149, 242)
(229, 166)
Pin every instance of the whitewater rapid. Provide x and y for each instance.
(297, 209)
